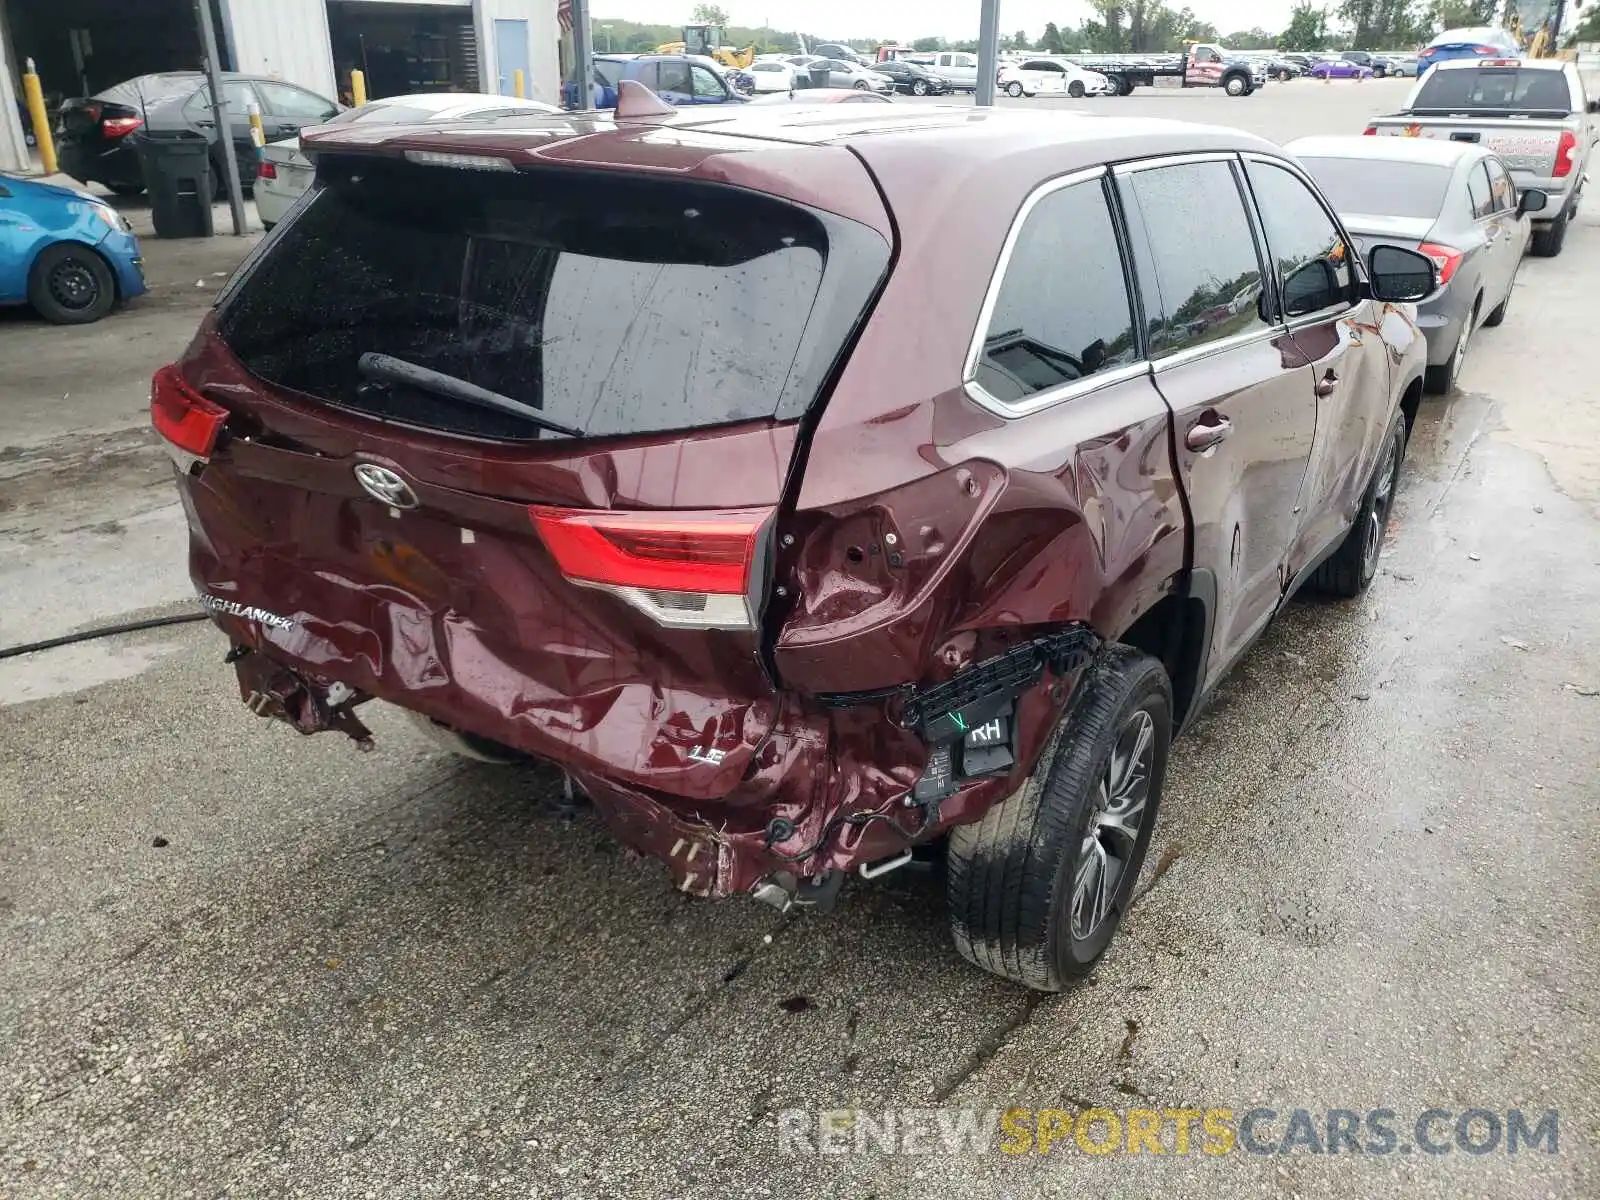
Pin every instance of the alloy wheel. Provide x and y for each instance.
(1114, 825)
(1378, 511)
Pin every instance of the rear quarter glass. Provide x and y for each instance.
(615, 305)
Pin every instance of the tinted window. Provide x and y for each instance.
(236, 92)
(295, 103)
(615, 306)
(1062, 313)
(1390, 189)
(609, 73)
(1203, 254)
(675, 77)
(1501, 189)
(1314, 265)
(1478, 192)
(1506, 88)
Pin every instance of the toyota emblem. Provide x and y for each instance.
(385, 486)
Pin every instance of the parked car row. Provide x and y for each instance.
(870, 614)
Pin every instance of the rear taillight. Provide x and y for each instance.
(689, 569)
(1491, 50)
(267, 170)
(1428, 53)
(115, 127)
(1446, 258)
(1566, 154)
(1370, 131)
(188, 421)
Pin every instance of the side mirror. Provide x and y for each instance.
(1532, 200)
(1310, 287)
(1397, 275)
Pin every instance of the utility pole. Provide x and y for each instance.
(219, 114)
(988, 53)
(583, 54)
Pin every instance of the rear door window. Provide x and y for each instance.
(1203, 252)
(613, 305)
(1478, 193)
(1062, 313)
(1501, 190)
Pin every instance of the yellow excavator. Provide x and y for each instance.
(707, 40)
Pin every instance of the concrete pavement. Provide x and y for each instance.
(234, 961)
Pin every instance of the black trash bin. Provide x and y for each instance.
(819, 76)
(177, 173)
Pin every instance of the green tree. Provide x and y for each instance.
(927, 45)
(1052, 42)
(1254, 38)
(1021, 41)
(1459, 14)
(1307, 29)
(1586, 30)
(709, 14)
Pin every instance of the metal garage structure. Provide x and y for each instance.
(83, 46)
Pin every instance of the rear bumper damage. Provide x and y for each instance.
(840, 784)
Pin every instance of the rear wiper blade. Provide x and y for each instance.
(386, 368)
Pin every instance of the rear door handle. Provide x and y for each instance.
(1327, 384)
(1202, 437)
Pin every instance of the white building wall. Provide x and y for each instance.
(544, 39)
(287, 39)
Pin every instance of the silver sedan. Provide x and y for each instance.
(1454, 202)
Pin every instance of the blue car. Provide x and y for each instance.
(1482, 41)
(679, 79)
(69, 254)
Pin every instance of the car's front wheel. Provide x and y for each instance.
(1075, 89)
(1236, 86)
(1014, 90)
(1038, 886)
(1348, 571)
(70, 284)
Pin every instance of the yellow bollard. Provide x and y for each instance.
(258, 133)
(41, 120)
(519, 84)
(358, 88)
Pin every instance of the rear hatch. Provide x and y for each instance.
(1521, 113)
(508, 447)
(116, 112)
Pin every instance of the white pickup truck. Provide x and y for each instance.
(1533, 113)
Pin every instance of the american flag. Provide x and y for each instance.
(564, 15)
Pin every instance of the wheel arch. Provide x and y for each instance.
(44, 247)
(1176, 632)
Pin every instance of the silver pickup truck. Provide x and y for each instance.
(1534, 113)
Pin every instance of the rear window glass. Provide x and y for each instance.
(613, 306)
(1510, 89)
(147, 89)
(1390, 189)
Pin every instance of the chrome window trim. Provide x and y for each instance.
(1066, 391)
(1174, 160)
(1333, 311)
(1221, 346)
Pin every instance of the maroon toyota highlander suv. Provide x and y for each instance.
(808, 484)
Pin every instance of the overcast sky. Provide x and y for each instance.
(907, 19)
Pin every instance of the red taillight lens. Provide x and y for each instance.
(115, 127)
(682, 568)
(183, 416)
(1566, 154)
(268, 169)
(1370, 131)
(1446, 258)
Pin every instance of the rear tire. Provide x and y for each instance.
(1351, 568)
(1499, 313)
(1039, 885)
(1014, 90)
(861, 85)
(1441, 380)
(1547, 242)
(70, 284)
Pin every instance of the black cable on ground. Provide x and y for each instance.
(89, 635)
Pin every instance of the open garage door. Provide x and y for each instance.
(85, 46)
(404, 48)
